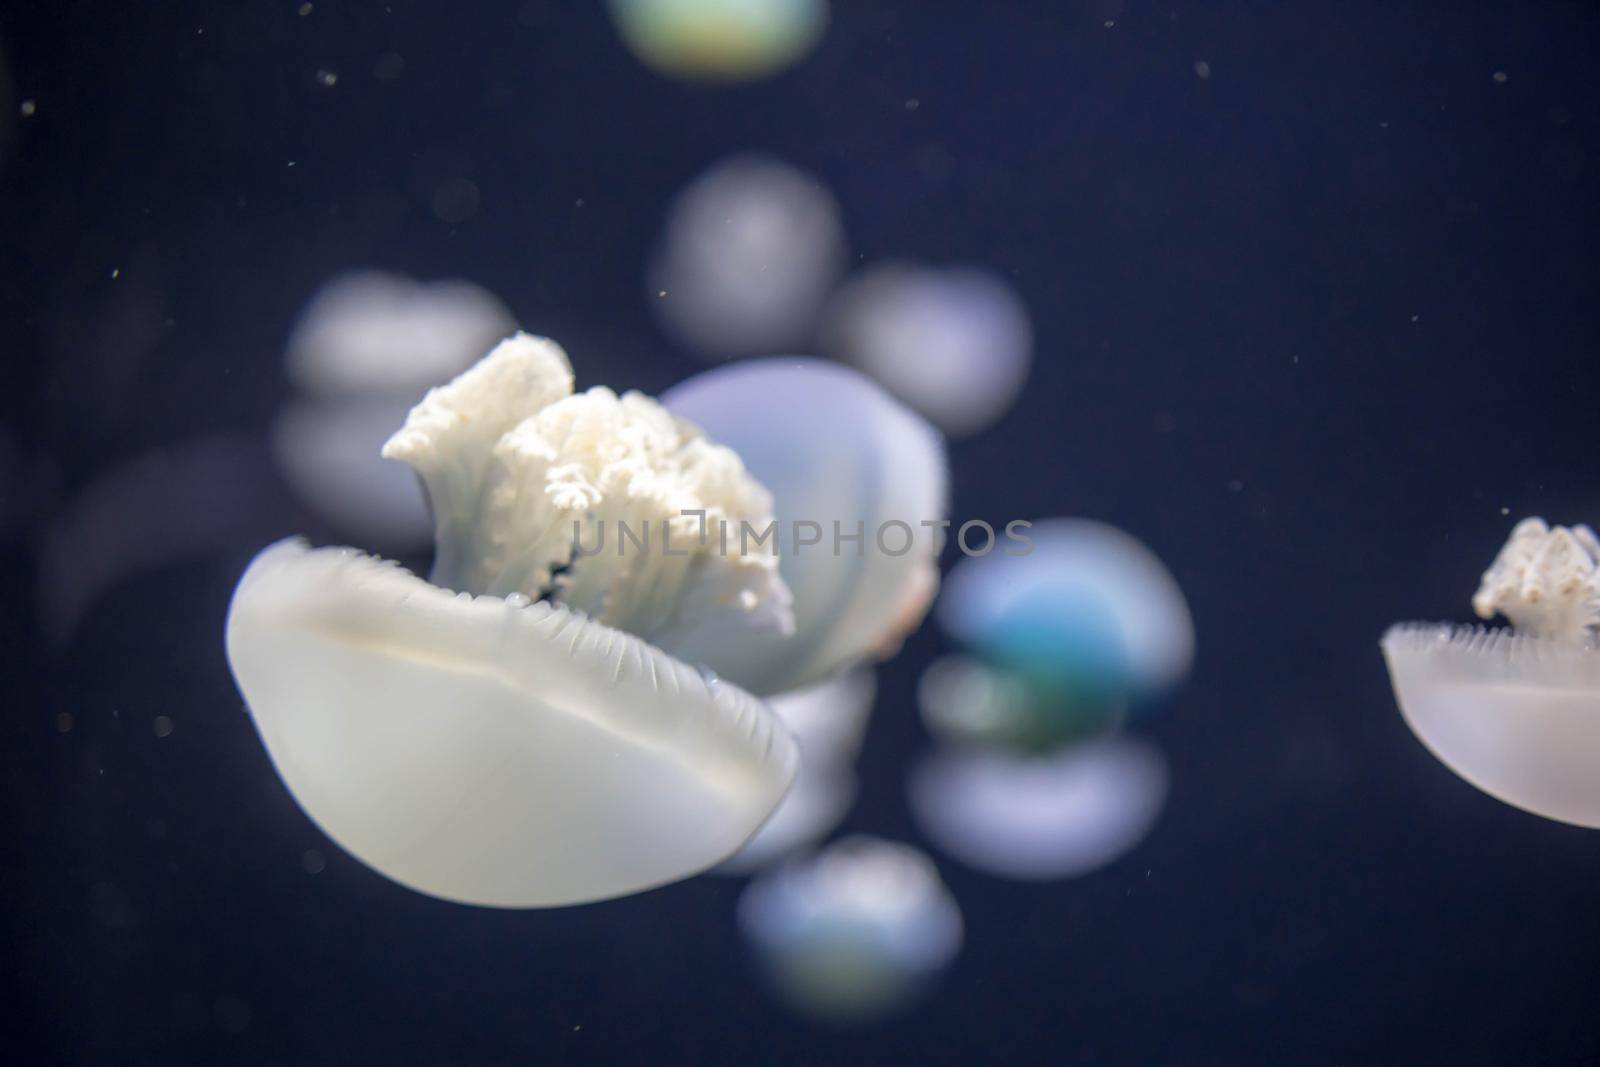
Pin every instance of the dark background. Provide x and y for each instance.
(1306, 327)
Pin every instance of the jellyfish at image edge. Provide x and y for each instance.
(1064, 636)
(1516, 712)
(534, 726)
(855, 932)
(719, 40)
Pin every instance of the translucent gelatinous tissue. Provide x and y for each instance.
(839, 453)
(1516, 712)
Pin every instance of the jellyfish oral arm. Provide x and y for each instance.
(1546, 580)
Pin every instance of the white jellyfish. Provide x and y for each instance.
(855, 932)
(859, 484)
(476, 744)
(720, 40)
(365, 346)
(536, 725)
(954, 343)
(827, 721)
(1516, 712)
(750, 251)
(1040, 817)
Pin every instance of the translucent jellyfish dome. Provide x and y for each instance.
(366, 344)
(751, 250)
(1075, 629)
(720, 40)
(1037, 818)
(855, 932)
(955, 343)
(1516, 712)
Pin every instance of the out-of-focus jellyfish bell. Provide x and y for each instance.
(827, 721)
(476, 743)
(365, 345)
(855, 932)
(953, 343)
(751, 249)
(850, 466)
(719, 40)
(1035, 818)
(964, 700)
(1516, 712)
(1088, 621)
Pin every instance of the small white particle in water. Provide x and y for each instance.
(1500, 76)
(115, 271)
(1384, 125)
(291, 162)
(1236, 486)
(162, 726)
(913, 104)
(313, 861)
(64, 722)
(305, 9)
(662, 293)
(1110, 23)
(1202, 68)
(1505, 511)
(1414, 318)
(327, 78)
(29, 107)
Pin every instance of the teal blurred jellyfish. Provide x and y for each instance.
(1068, 638)
(540, 722)
(719, 40)
(855, 932)
(1516, 712)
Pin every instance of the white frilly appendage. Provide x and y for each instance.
(531, 484)
(1546, 580)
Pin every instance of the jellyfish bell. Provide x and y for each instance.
(1516, 712)
(1086, 610)
(719, 40)
(855, 932)
(848, 463)
(1040, 817)
(966, 701)
(518, 731)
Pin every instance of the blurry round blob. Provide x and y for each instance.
(493, 750)
(854, 932)
(1037, 818)
(188, 500)
(1516, 712)
(954, 343)
(1088, 614)
(328, 452)
(837, 453)
(827, 721)
(719, 40)
(751, 249)
(965, 701)
(368, 331)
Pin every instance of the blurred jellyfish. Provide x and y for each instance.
(855, 932)
(1036, 818)
(953, 343)
(965, 701)
(1516, 712)
(365, 345)
(827, 721)
(842, 457)
(750, 251)
(189, 500)
(1083, 628)
(719, 40)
